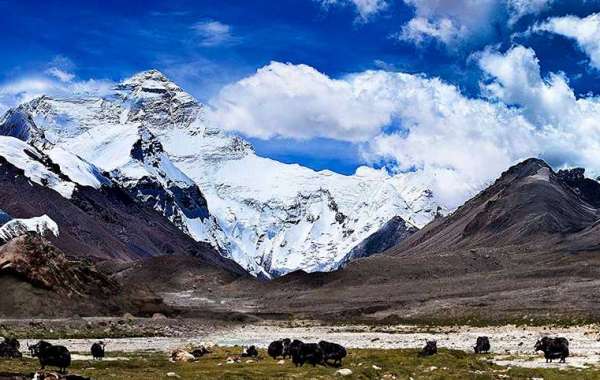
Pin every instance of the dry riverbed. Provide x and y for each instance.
(511, 345)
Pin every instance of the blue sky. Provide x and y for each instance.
(205, 45)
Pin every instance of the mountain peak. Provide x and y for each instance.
(150, 81)
(147, 75)
(528, 167)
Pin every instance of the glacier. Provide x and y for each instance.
(154, 139)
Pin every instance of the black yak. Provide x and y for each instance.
(429, 349)
(250, 352)
(553, 348)
(482, 345)
(199, 352)
(306, 353)
(279, 348)
(10, 348)
(294, 347)
(48, 354)
(97, 350)
(332, 351)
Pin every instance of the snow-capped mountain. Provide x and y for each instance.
(152, 138)
(41, 225)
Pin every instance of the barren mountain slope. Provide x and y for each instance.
(526, 246)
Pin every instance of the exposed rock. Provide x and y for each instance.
(343, 372)
(40, 280)
(392, 233)
(40, 264)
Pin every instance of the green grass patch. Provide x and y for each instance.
(364, 364)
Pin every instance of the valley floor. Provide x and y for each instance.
(375, 352)
(363, 364)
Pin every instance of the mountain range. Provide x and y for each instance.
(528, 246)
(132, 201)
(150, 139)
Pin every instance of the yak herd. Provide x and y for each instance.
(322, 353)
(312, 353)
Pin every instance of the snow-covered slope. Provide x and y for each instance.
(41, 225)
(57, 169)
(270, 217)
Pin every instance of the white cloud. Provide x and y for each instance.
(28, 87)
(61, 75)
(459, 21)
(212, 32)
(417, 122)
(364, 8)
(420, 29)
(299, 102)
(566, 126)
(517, 80)
(450, 21)
(585, 31)
(520, 8)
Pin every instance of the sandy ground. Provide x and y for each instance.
(511, 345)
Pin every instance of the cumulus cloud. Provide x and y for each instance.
(297, 101)
(460, 21)
(424, 124)
(212, 32)
(516, 79)
(458, 143)
(565, 125)
(364, 8)
(585, 31)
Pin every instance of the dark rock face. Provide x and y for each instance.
(170, 198)
(4, 217)
(19, 124)
(170, 201)
(392, 233)
(587, 189)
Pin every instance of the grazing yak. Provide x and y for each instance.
(294, 347)
(279, 348)
(199, 351)
(429, 349)
(250, 352)
(306, 353)
(97, 350)
(553, 348)
(10, 348)
(482, 345)
(48, 354)
(332, 351)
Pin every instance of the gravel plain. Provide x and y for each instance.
(511, 345)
